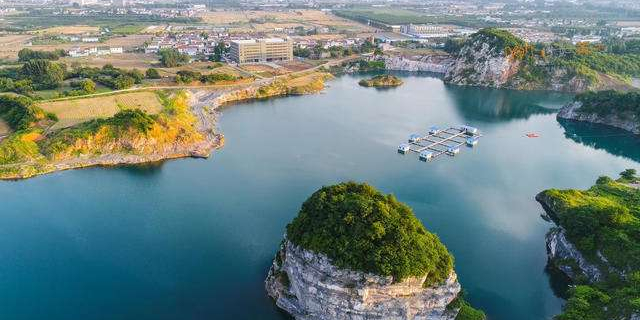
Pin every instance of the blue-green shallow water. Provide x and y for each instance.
(193, 239)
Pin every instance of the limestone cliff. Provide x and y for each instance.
(626, 121)
(309, 287)
(435, 64)
(481, 64)
(496, 58)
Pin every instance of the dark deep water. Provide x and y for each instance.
(193, 239)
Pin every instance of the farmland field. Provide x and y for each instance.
(10, 45)
(265, 21)
(71, 112)
(126, 60)
(69, 30)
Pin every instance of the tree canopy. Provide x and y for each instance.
(172, 58)
(359, 228)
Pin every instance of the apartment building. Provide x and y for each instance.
(261, 50)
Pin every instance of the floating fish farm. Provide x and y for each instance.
(440, 142)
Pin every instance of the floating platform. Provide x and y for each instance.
(440, 142)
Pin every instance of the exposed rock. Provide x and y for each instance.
(565, 256)
(435, 64)
(629, 122)
(481, 64)
(309, 287)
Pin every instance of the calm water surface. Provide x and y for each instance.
(193, 239)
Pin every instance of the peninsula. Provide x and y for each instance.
(595, 245)
(354, 253)
(612, 108)
(44, 137)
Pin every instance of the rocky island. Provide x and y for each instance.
(354, 253)
(496, 58)
(381, 81)
(595, 245)
(612, 108)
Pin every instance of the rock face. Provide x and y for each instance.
(435, 64)
(309, 287)
(629, 122)
(481, 64)
(564, 254)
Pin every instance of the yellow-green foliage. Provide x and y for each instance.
(128, 131)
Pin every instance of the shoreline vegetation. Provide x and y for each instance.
(595, 245)
(184, 127)
(611, 108)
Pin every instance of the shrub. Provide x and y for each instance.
(152, 73)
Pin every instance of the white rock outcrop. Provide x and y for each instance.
(481, 64)
(629, 122)
(417, 64)
(309, 287)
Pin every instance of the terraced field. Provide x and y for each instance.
(71, 112)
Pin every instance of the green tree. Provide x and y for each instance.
(171, 58)
(44, 73)
(359, 228)
(137, 75)
(27, 54)
(123, 82)
(88, 86)
(152, 73)
(629, 175)
(6, 84)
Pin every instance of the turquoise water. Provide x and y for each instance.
(193, 239)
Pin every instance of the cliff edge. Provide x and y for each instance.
(354, 253)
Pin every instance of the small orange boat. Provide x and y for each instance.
(532, 135)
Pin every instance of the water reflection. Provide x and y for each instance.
(498, 105)
(612, 140)
(144, 169)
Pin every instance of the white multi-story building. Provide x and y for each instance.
(262, 50)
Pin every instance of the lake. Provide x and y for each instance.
(193, 239)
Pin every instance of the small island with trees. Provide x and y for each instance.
(351, 245)
(381, 81)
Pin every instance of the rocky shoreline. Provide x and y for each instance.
(203, 105)
(309, 287)
(561, 253)
(571, 111)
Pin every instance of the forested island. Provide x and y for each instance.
(355, 251)
(381, 81)
(612, 108)
(596, 245)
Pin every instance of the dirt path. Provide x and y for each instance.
(212, 86)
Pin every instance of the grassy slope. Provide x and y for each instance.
(72, 112)
(30, 151)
